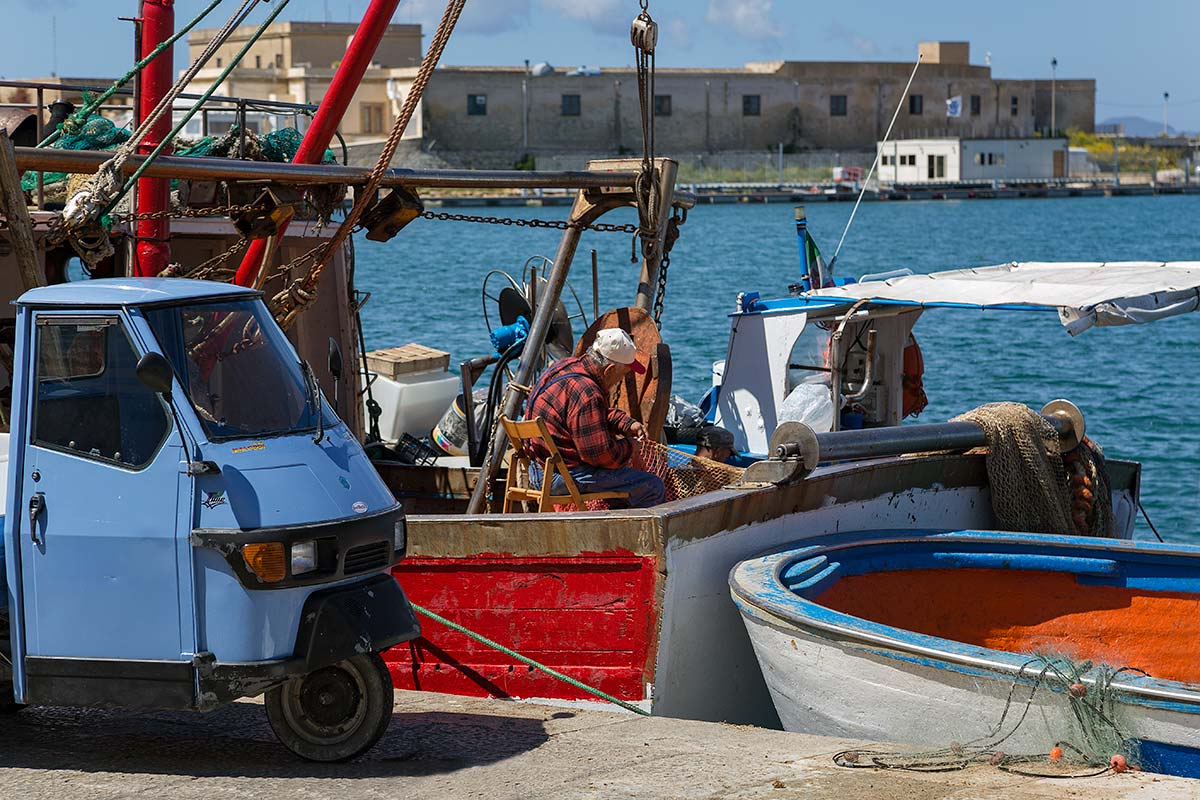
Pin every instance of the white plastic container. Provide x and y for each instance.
(412, 403)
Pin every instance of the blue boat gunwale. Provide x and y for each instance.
(760, 589)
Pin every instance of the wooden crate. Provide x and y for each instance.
(407, 359)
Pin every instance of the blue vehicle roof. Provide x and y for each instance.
(131, 292)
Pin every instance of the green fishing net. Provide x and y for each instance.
(97, 133)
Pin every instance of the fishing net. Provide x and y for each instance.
(97, 133)
(1034, 486)
(682, 474)
(1092, 739)
(279, 146)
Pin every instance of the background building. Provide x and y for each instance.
(511, 111)
(946, 160)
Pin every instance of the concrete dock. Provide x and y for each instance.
(449, 747)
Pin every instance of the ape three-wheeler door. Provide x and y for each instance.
(103, 493)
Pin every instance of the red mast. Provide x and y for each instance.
(153, 194)
(331, 110)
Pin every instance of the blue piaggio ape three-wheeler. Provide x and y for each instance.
(188, 522)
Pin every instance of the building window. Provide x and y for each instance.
(885, 161)
(218, 63)
(571, 105)
(937, 167)
(916, 104)
(976, 105)
(258, 62)
(1015, 105)
(751, 105)
(837, 105)
(662, 105)
(476, 105)
(279, 60)
(909, 160)
(372, 117)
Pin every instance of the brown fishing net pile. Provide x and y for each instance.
(1035, 486)
(682, 474)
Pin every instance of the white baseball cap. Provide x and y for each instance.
(616, 345)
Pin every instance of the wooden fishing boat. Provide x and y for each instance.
(627, 601)
(920, 637)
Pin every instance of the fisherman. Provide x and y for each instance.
(594, 440)
(714, 443)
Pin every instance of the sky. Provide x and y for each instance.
(1135, 51)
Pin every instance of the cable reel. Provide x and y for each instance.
(505, 299)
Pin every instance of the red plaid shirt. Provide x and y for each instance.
(570, 400)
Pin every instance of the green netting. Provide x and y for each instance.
(98, 133)
(1078, 719)
(279, 146)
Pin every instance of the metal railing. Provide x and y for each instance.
(216, 104)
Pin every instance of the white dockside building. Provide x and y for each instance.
(946, 160)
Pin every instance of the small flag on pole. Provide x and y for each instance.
(954, 106)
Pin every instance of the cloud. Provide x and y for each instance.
(602, 16)
(491, 16)
(677, 34)
(859, 43)
(750, 18)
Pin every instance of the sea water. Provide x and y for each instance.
(1136, 384)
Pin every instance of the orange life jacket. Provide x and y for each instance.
(914, 369)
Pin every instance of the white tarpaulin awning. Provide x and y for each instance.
(1085, 293)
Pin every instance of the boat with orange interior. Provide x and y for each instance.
(985, 639)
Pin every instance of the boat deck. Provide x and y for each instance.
(441, 746)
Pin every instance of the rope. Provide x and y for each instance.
(293, 299)
(167, 100)
(553, 673)
(191, 112)
(104, 190)
(871, 172)
(76, 119)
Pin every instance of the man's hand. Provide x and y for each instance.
(637, 430)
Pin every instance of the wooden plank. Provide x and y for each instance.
(407, 359)
(20, 226)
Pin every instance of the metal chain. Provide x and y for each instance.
(560, 225)
(678, 218)
(205, 268)
(212, 211)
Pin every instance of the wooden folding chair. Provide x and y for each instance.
(519, 433)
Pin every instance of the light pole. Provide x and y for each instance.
(1166, 97)
(1053, 96)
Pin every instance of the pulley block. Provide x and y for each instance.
(643, 33)
(270, 208)
(391, 213)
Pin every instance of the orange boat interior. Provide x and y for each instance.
(1033, 611)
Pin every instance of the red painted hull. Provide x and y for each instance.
(593, 617)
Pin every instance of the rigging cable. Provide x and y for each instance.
(195, 107)
(76, 120)
(295, 297)
(87, 206)
(874, 163)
